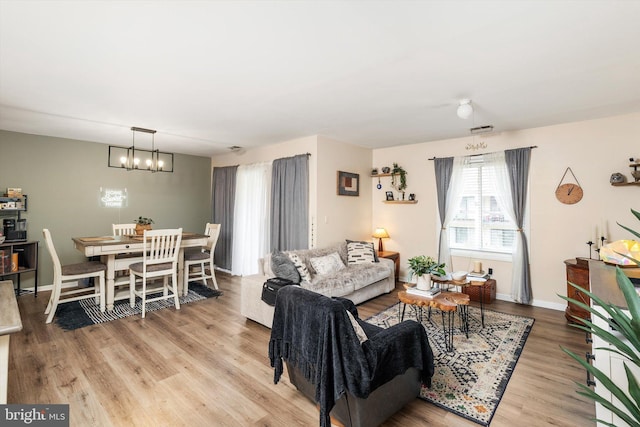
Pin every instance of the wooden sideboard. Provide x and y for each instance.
(577, 273)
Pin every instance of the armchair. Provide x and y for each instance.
(357, 383)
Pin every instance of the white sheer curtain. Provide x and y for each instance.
(251, 217)
(454, 195)
(505, 200)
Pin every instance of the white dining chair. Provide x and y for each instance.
(123, 229)
(159, 261)
(123, 261)
(72, 273)
(199, 259)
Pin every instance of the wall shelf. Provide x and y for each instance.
(622, 184)
(401, 202)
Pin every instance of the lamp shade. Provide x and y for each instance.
(381, 233)
(465, 110)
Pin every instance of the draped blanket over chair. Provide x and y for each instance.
(314, 334)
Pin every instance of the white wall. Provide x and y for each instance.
(593, 149)
(342, 217)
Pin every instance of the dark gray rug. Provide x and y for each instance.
(78, 314)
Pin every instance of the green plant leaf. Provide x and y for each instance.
(617, 321)
(613, 388)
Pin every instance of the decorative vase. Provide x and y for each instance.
(424, 282)
(140, 228)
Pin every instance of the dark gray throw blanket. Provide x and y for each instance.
(313, 333)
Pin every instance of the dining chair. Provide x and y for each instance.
(123, 229)
(73, 273)
(160, 251)
(200, 258)
(122, 262)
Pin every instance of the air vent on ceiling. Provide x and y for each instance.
(481, 129)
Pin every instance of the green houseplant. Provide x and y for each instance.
(401, 183)
(629, 327)
(142, 224)
(423, 266)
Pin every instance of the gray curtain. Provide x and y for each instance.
(223, 197)
(443, 169)
(290, 203)
(518, 167)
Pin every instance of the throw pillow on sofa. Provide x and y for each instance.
(327, 264)
(305, 276)
(283, 267)
(373, 248)
(360, 253)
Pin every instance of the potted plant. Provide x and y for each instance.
(629, 327)
(401, 183)
(423, 266)
(142, 224)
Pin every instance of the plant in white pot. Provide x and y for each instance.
(423, 267)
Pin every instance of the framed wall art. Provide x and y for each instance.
(348, 184)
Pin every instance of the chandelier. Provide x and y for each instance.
(135, 158)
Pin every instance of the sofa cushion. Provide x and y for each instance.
(347, 280)
(327, 264)
(362, 336)
(360, 253)
(305, 276)
(283, 267)
(373, 248)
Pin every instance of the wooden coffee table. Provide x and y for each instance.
(464, 283)
(448, 304)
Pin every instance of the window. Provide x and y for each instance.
(479, 223)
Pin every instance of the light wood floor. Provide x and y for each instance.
(206, 365)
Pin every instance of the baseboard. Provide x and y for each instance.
(535, 303)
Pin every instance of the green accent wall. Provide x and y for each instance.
(63, 178)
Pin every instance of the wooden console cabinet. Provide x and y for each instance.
(577, 273)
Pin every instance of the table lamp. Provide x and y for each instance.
(380, 233)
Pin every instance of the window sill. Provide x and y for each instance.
(495, 256)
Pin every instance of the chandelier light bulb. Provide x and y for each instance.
(123, 160)
(465, 110)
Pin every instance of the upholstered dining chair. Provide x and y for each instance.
(73, 273)
(159, 261)
(200, 258)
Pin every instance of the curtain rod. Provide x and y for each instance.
(480, 154)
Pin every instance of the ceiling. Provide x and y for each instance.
(208, 75)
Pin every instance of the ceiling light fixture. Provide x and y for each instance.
(128, 158)
(465, 109)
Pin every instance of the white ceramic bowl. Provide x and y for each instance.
(459, 275)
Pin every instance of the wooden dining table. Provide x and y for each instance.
(109, 247)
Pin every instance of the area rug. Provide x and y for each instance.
(78, 314)
(471, 380)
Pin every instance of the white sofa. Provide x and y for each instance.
(358, 283)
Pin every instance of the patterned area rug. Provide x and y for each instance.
(471, 380)
(78, 314)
